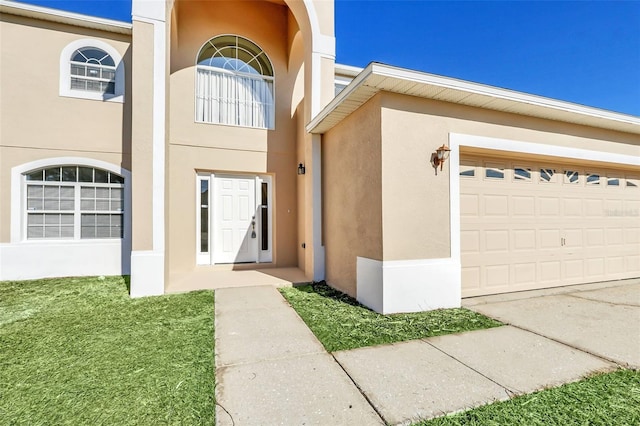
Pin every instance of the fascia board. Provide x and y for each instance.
(63, 17)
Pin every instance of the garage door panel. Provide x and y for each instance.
(497, 276)
(524, 239)
(523, 206)
(524, 273)
(471, 277)
(632, 235)
(593, 208)
(549, 238)
(573, 268)
(614, 236)
(470, 241)
(615, 265)
(550, 271)
(595, 267)
(496, 241)
(572, 207)
(595, 237)
(496, 205)
(548, 206)
(469, 205)
(546, 225)
(573, 238)
(632, 263)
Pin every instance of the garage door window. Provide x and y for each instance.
(593, 179)
(571, 177)
(546, 175)
(522, 174)
(494, 173)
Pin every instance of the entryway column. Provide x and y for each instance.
(149, 74)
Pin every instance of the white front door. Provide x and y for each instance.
(234, 231)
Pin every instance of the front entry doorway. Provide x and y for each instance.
(234, 219)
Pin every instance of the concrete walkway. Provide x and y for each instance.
(272, 370)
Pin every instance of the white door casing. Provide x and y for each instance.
(234, 217)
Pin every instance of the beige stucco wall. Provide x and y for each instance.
(352, 154)
(35, 121)
(200, 147)
(142, 136)
(413, 201)
(416, 201)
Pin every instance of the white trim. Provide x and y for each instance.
(414, 285)
(508, 145)
(148, 266)
(148, 269)
(378, 77)
(203, 258)
(65, 72)
(457, 140)
(17, 179)
(48, 259)
(369, 283)
(61, 16)
(27, 259)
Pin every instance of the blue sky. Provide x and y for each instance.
(587, 52)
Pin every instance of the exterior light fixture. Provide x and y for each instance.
(300, 169)
(441, 156)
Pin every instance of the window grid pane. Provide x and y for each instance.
(52, 209)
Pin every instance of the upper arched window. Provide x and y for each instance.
(91, 69)
(234, 84)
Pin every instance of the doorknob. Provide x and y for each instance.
(253, 228)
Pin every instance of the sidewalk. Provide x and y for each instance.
(272, 370)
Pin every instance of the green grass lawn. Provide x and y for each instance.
(79, 351)
(605, 400)
(340, 323)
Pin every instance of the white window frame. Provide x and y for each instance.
(19, 197)
(272, 79)
(65, 72)
(207, 258)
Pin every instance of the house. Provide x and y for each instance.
(207, 139)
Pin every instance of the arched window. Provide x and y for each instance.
(234, 84)
(91, 69)
(73, 202)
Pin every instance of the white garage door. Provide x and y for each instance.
(528, 225)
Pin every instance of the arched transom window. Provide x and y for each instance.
(93, 70)
(234, 84)
(73, 202)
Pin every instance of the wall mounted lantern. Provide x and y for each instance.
(441, 156)
(300, 169)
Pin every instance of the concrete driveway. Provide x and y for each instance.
(602, 319)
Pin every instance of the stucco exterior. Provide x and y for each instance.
(410, 259)
(339, 185)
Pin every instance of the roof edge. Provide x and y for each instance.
(378, 69)
(63, 17)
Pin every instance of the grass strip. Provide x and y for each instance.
(605, 399)
(341, 323)
(81, 351)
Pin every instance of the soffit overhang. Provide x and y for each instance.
(62, 17)
(378, 77)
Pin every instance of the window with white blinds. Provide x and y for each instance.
(93, 70)
(74, 202)
(234, 84)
